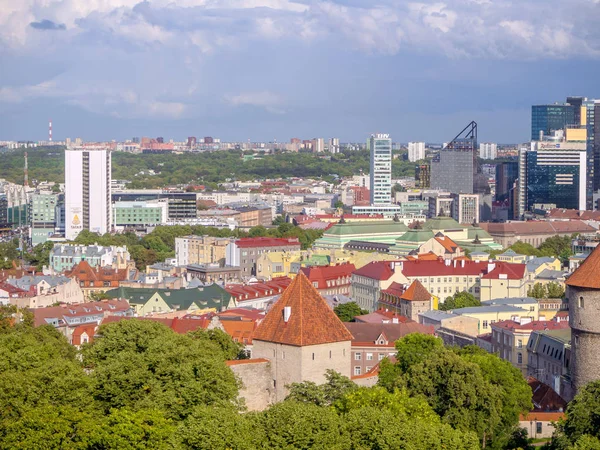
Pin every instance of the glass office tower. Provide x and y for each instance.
(381, 169)
(550, 118)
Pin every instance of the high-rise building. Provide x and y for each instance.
(553, 173)
(318, 145)
(423, 176)
(416, 151)
(546, 119)
(455, 168)
(507, 174)
(488, 150)
(381, 169)
(87, 190)
(42, 209)
(334, 145)
(465, 208)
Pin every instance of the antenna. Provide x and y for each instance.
(26, 174)
(50, 130)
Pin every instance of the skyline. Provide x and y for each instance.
(266, 69)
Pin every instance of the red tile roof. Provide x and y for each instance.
(587, 275)
(243, 292)
(416, 292)
(105, 307)
(311, 321)
(449, 245)
(179, 325)
(443, 268)
(322, 274)
(88, 329)
(506, 270)
(382, 316)
(377, 270)
(544, 397)
(366, 334)
(267, 242)
(537, 227)
(84, 272)
(13, 291)
(534, 325)
(539, 416)
(241, 331)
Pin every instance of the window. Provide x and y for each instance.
(367, 369)
(356, 370)
(357, 356)
(381, 356)
(329, 354)
(519, 343)
(581, 302)
(485, 324)
(313, 356)
(538, 427)
(369, 356)
(519, 358)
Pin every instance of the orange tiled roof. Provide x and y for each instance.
(311, 321)
(586, 275)
(540, 416)
(448, 244)
(416, 292)
(84, 272)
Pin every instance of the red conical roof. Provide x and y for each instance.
(310, 322)
(587, 274)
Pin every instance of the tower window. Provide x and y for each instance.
(581, 302)
(313, 356)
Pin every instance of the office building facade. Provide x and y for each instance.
(381, 169)
(87, 190)
(553, 173)
(546, 119)
(416, 151)
(43, 213)
(488, 150)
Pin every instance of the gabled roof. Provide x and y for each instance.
(449, 245)
(377, 270)
(506, 270)
(311, 321)
(544, 397)
(368, 333)
(416, 292)
(322, 274)
(84, 272)
(587, 275)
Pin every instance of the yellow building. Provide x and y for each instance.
(510, 256)
(488, 315)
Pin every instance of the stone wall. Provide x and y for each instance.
(257, 384)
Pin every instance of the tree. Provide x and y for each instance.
(415, 348)
(278, 220)
(459, 300)
(583, 414)
(558, 246)
(8, 253)
(538, 290)
(230, 349)
(99, 295)
(339, 204)
(142, 364)
(40, 255)
(525, 249)
(348, 311)
(292, 424)
(258, 231)
(555, 290)
(336, 387)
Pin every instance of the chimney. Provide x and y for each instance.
(447, 261)
(462, 263)
(287, 312)
(454, 261)
(491, 267)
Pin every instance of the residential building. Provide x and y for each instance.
(252, 216)
(200, 300)
(201, 250)
(488, 150)
(370, 280)
(87, 190)
(380, 146)
(214, 273)
(97, 279)
(510, 339)
(441, 245)
(549, 358)
(512, 257)
(504, 280)
(65, 256)
(302, 338)
(330, 280)
(449, 321)
(465, 208)
(372, 342)
(407, 300)
(318, 145)
(258, 295)
(416, 151)
(489, 315)
(244, 252)
(45, 290)
(42, 212)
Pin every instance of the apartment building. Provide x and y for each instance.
(549, 356)
(370, 280)
(330, 280)
(245, 252)
(510, 339)
(408, 301)
(201, 250)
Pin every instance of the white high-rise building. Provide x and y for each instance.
(416, 151)
(334, 145)
(381, 169)
(488, 150)
(87, 190)
(318, 145)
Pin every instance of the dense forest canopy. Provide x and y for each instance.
(47, 164)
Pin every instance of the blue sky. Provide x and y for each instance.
(276, 69)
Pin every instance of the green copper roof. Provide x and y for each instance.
(417, 236)
(442, 223)
(210, 296)
(480, 232)
(379, 227)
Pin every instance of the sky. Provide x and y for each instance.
(262, 70)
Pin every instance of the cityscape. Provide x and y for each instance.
(409, 261)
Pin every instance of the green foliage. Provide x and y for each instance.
(459, 300)
(348, 311)
(559, 246)
(555, 290)
(336, 387)
(415, 348)
(538, 290)
(230, 349)
(303, 426)
(143, 364)
(39, 256)
(583, 414)
(525, 249)
(8, 253)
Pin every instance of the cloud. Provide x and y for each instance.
(48, 25)
(264, 99)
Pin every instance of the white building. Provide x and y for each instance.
(87, 190)
(318, 145)
(381, 169)
(416, 151)
(334, 145)
(488, 150)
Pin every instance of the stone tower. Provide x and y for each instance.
(583, 292)
(302, 338)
